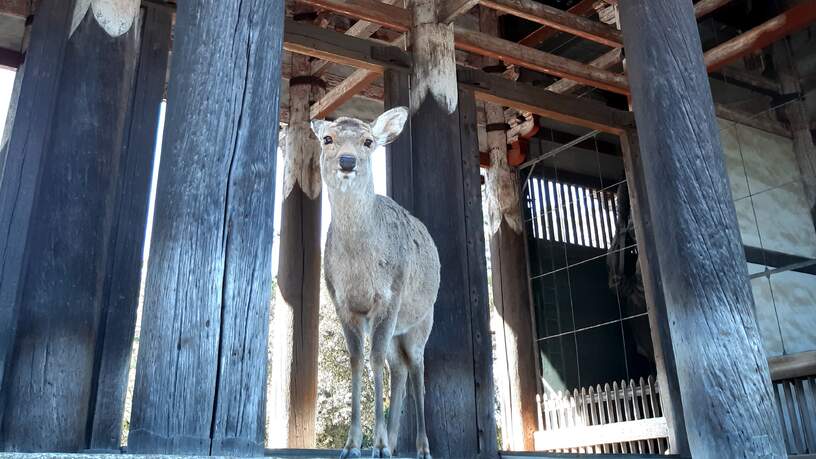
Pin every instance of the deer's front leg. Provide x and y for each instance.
(380, 341)
(354, 343)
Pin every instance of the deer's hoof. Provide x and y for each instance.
(424, 454)
(381, 452)
(349, 453)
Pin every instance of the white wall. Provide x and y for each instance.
(773, 214)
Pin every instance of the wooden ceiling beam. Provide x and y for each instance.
(557, 19)
(796, 18)
(390, 16)
(754, 121)
(605, 61)
(544, 33)
(533, 59)
(342, 49)
(343, 92)
(524, 97)
(17, 8)
(705, 7)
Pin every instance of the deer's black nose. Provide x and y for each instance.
(347, 163)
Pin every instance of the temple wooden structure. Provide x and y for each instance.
(500, 92)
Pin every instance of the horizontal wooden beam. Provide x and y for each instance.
(757, 122)
(17, 8)
(705, 7)
(341, 93)
(605, 61)
(791, 366)
(451, 9)
(558, 19)
(533, 59)
(796, 18)
(524, 97)
(390, 16)
(544, 33)
(750, 79)
(10, 58)
(343, 49)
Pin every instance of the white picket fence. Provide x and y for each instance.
(621, 418)
(796, 402)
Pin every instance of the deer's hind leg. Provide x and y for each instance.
(413, 344)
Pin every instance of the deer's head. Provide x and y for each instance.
(347, 145)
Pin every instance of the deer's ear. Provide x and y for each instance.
(388, 126)
(319, 126)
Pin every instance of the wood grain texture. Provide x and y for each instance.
(293, 382)
(49, 382)
(798, 17)
(719, 357)
(567, 109)
(25, 152)
(118, 319)
(533, 59)
(398, 154)
(565, 21)
(201, 372)
(392, 17)
(343, 49)
(458, 363)
(512, 303)
(670, 397)
(340, 94)
(544, 33)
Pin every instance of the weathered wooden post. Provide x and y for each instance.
(121, 295)
(297, 303)
(444, 175)
(67, 165)
(201, 372)
(511, 300)
(721, 368)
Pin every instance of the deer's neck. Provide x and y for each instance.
(352, 212)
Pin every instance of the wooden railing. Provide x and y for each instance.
(794, 384)
(621, 418)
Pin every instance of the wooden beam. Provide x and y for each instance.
(759, 122)
(580, 112)
(696, 240)
(705, 7)
(606, 61)
(360, 29)
(451, 9)
(542, 34)
(342, 49)
(750, 79)
(338, 95)
(17, 8)
(10, 58)
(796, 18)
(513, 53)
(792, 366)
(392, 17)
(558, 19)
(319, 44)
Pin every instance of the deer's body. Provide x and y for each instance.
(382, 272)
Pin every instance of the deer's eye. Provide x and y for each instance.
(367, 143)
(327, 140)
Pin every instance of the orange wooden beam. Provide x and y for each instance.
(761, 36)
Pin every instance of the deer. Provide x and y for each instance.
(382, 272)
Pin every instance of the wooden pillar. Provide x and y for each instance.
(201, 373)
(121, 295)
(48, 387)
(721, 368)
(515, 359)
(24, 153)
(297, 304)
(446, 198)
